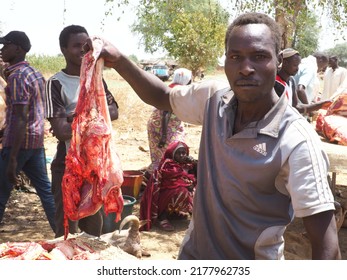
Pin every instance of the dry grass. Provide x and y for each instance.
(133, 112)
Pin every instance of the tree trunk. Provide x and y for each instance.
(286, 13)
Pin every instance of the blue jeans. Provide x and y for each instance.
(33, 163)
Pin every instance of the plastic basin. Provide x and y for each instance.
(132, 182)
(109, 224)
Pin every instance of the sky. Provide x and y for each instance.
(43, 20)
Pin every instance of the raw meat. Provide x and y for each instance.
(332, 123)
(22, 251)
(76, 247)
(93, 173)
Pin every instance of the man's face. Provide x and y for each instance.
(9, 52)
(73, 53)
(291, 65)
(332, 62)
(251, 62)
(322, 65)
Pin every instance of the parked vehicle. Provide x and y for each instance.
(161, 71)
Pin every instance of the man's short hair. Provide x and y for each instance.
(67, 31)
(257, 18)
(321, 56)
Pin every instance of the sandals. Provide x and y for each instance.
(179, 216)
(165, 225)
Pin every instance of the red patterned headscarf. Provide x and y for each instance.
(172, 148)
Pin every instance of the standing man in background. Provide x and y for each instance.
(334, 78)
(62, 96)
(23, 140)
(307, 79)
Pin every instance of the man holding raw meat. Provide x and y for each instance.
(62, 95)
(23, 138)
(260, 162)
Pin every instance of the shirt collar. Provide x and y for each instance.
(11, 68)
(270, 124)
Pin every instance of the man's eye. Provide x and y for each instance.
(233, 57)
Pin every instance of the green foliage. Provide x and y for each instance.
(291, 16)
(47, 64)
(134, 58)
(192, 32)
(335, 10)
(340, 51)
(306, 38)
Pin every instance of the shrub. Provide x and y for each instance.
(47, 64)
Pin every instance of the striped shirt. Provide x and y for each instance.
(62, 92)
(25, 86)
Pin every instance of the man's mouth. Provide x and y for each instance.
(247, 83)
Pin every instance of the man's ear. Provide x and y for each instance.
(279, 60)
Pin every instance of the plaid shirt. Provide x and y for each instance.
(25, 86)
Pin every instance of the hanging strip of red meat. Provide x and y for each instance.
(93, 173)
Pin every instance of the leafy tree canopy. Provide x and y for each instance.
(192, 32)
(305, 38)
(292, 14)
(340, 51)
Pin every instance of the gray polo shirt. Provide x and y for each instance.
(250, 184)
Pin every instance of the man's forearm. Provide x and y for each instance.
(322, 232)
(148, 87)
(19, 128)
(113, 110)
(302, 94)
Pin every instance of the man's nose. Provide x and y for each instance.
(246, 67)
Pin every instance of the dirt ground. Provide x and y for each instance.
(24, 219)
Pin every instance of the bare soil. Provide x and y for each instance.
(25, 220)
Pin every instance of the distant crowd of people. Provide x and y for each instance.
(255, 121)
(301, 78)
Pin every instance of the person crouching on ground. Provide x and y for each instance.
(170, 189)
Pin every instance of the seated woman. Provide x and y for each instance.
(170, 188)
(164, 127)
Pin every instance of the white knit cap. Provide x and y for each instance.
(182, 76)
(288, 52)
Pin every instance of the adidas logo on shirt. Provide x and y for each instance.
(261, 148)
